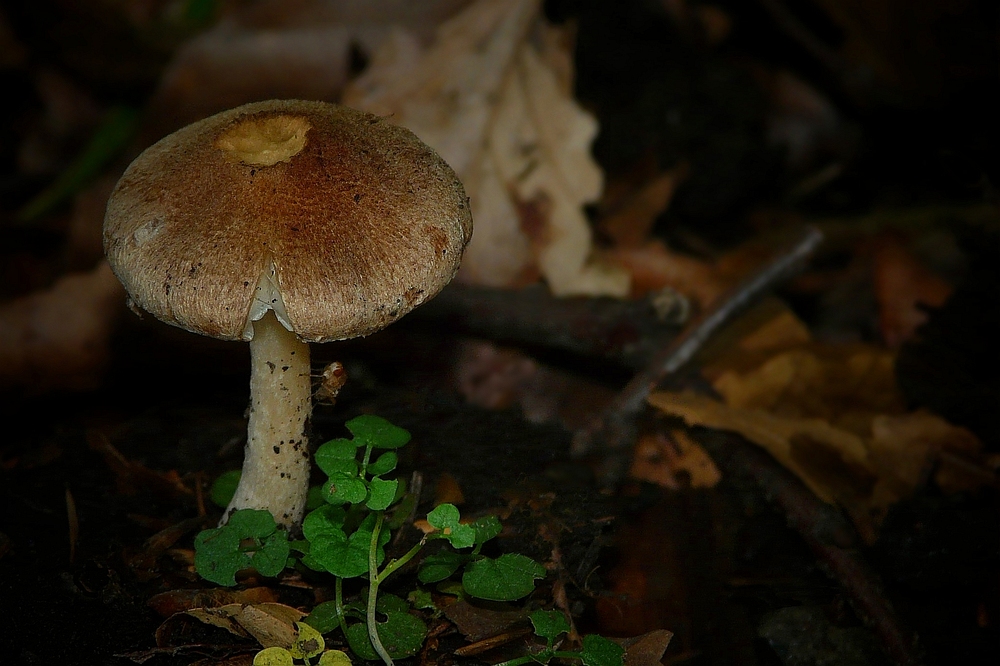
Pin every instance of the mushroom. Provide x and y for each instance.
(282, 223)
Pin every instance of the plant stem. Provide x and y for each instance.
(365, 460)
(396, 564)
(338, 600)
(373, 583)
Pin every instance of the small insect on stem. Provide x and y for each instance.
(332, 379)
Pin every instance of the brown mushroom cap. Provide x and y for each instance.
(358, 219)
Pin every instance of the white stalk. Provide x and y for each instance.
(276, 463)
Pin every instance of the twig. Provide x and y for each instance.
(615, 429)
(831, 537)
(625, 332)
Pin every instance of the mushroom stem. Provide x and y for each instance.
(276, 463)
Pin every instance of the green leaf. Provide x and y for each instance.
(337, 455)
(486, 528)
(314, 499)
(401, 634)
(324, 520)
(247, 523)
(272, 557)
(446, 517)
(599, 651)
(376, 432)
(334, 658)
(439, 566)
(384, 464)
(381, 493)
(421, 600)
(217, 556)
(323, 617)
(549, 624)
(249, 540)
(391, 603)
(511, 576)
(273, 656)
(224, 487)
(344, 489)
(346, 557)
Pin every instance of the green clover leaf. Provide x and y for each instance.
(337, 455)
(224, 487)
(250, 539)
(599, 651)
(486, 528)
(445, 517)
(381, 493)
(440, 566)
(401, 634)
(511, 576)
(374, 431)
(384, 464)
(343, 488)
(549, 624)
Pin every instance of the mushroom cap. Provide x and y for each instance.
(345, 222)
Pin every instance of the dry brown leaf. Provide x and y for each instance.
(647, 649)
(659, 459)
(477, 623)
(271, 624)
(177, 601)
(58, 338)
(806, 446)
(833, 416)
(629, 223)
(902, 285)
(492, 96)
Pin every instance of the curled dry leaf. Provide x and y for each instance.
(271, 624)
(58, 338)
(492, 95)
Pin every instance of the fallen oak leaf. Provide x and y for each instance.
(497, 106)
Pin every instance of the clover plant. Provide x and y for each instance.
(346, 537)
